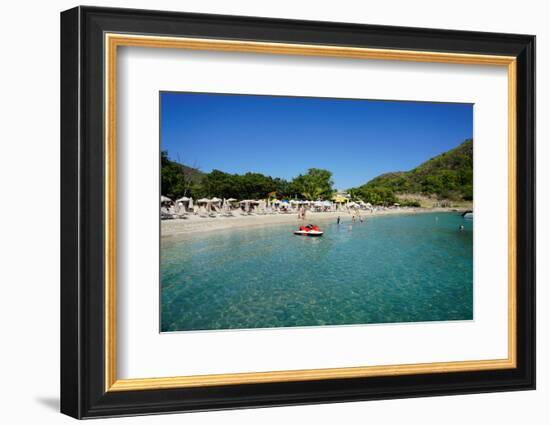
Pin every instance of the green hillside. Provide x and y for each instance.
(447, 176)
(177, 179)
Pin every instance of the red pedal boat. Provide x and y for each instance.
(309, 230)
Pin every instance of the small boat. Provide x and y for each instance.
(468, 214)
(309, 230)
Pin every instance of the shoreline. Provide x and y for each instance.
(182, 228)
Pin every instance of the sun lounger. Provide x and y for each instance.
(166, 216)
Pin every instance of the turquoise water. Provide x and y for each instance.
(407, 268)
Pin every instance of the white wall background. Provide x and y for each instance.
(29, 212)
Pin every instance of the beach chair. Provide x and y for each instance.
(164, 215)
(202, 212)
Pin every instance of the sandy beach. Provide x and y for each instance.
(180, 228)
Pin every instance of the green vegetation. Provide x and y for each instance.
(374, 195)
(246, 186)
(315, 184)
(178, 180)
(446, 176)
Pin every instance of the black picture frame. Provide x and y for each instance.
(83, 392)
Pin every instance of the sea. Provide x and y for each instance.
(388, 269)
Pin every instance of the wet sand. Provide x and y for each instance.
(194, 224)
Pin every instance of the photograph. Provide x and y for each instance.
(280, 211)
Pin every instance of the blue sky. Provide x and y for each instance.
(284, 136)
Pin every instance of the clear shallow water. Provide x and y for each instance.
(407, 268)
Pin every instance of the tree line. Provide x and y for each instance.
(447, 176)
(177, 181)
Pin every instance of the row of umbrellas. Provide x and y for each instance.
(165, 199)
(203, 201)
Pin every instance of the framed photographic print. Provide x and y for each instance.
(261, 212)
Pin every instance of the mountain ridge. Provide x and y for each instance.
(448, 175)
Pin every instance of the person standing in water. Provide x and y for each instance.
(338, 220)
(461, 228)
(353, 219)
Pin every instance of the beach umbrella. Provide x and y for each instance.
(203, 201)
(231, 200)
(184, 199)
(215, 200)
(165, 199)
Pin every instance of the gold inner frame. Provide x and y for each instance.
(113, 41)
